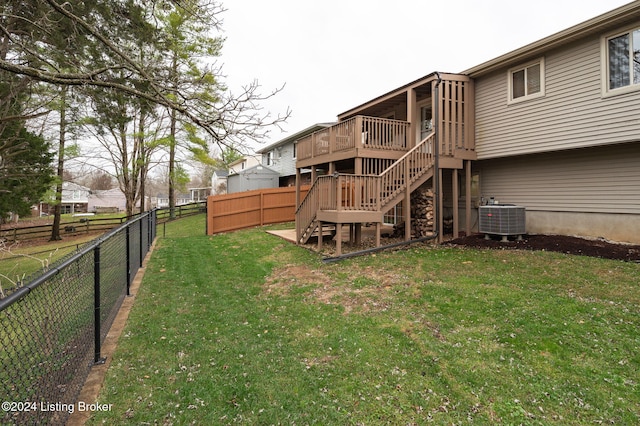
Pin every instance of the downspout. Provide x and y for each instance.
(436, 153)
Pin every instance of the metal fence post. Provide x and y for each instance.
(128, 261)
(96, 303)
(140, 241)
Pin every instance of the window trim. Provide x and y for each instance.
(604, 63)
(539, 61)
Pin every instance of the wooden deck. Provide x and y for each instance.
(371, 164)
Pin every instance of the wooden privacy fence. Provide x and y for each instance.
(230, 212)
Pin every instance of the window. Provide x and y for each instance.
(623, 60)
(526, 82)
(269, 158)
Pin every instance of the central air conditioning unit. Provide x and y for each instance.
(502, 219)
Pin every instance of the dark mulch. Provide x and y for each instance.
(556, 243)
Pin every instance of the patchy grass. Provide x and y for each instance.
(244, 327)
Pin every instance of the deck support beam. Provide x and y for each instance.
(298, 182)
(439, 209)
(338, 239)
(412, 118)
(467, 199)
(407, 205)
(455, 194)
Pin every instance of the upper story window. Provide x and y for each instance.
(527, 81)
(270, 158)
(623, 60)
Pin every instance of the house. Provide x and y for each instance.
(199, 194)
(255, 177)
(243, 163)
(281, 156)
(75, 199)
(553, 126)
(107, 200)
(162, 200)
(219, 182)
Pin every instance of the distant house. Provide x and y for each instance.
(255, 177)
(162, 200)
(281, 156)
(219, 182)
(243, 163)
(75, 199)
(107, 200)
(199, 194)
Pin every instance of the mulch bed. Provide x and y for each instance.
(556, 243)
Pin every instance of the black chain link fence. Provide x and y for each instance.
(51, 329)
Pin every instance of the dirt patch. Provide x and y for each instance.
(348, 293)
(556, 243)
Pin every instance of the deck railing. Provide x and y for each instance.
(358, 132)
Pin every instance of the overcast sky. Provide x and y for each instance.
(333, 55)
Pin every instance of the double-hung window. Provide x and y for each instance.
(623, 60)
(526, 81)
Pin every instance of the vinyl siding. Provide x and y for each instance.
(596, 180)
(283, 161)
(573, 113)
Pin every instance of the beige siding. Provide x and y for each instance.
(573, 113)
(596, 180)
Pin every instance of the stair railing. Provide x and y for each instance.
(407, 169)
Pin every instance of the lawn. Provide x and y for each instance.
(19, 261)
(247, 328)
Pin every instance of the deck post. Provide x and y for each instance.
(358, 133)
(378, 228)
(358, 233)
(412, 118)
(439, 207)
(455, 194)
(319, 236)
(467, 194)
(338, 239)
(298, 181)
(407, 203)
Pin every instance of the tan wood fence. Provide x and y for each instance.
(240, 210)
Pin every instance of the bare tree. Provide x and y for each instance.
(93, 38)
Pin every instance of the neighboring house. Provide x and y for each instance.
(162, 200)
(75, 199)
(553, 126)
(219, 182)
(281, 156)
(199, 194)
(244, 163)
(255, 177)
(107, 200)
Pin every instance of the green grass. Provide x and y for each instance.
(19, 260)
(247, 328)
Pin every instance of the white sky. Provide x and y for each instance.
(333, 55)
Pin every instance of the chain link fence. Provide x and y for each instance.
(52, 328)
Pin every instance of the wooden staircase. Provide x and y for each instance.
(359, 198)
